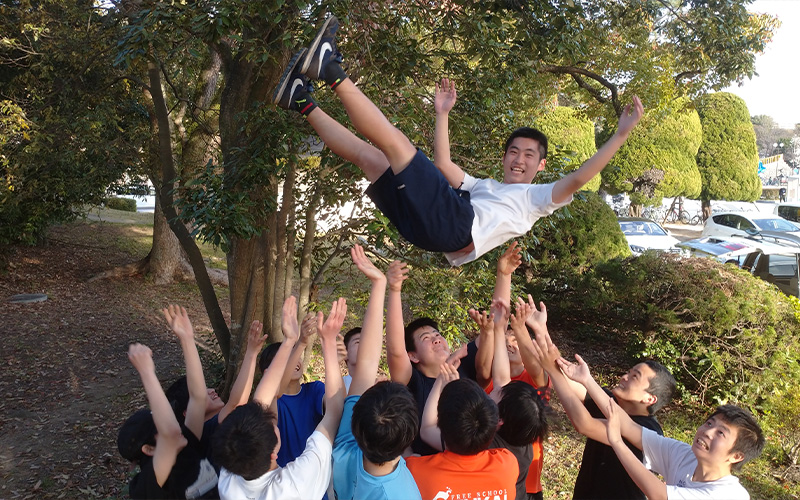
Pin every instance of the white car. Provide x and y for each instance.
(726, 224)
(644, 234)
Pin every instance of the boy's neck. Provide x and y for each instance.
(633, 408)
(704, 473)
(428, 371)
(293, 389)
(517, 369)
(379, 470)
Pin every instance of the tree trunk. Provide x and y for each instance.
(166, 257)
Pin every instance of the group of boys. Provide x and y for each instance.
(466, 424)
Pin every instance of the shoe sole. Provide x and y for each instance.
(312, 49)
(285, 77)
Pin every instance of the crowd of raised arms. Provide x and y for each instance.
(449, 424)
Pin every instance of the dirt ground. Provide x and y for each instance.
(66, 384)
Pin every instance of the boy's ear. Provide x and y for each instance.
(412, 355)
(649, 399)
(148, 449)
(737, 457)
(542, 164)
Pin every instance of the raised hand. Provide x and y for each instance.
(447, 373)
(579, 371)
(510, 260)
(396, 274)
(500, 312)
(141, 357)
(291, 330)
(332, 325)
(308, 328)
(254, 338)
(630, 116)
(178, 321)
(521, 313)
(546, 352)
(365, 265)
(485, 320)
(537, 318)
(455, 357)
(445, 97)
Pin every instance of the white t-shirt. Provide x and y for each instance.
(676, 462)
(502, 212)
(307, 477)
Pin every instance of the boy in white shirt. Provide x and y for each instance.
(444, 210)
(247, 442)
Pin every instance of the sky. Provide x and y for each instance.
(775, 91)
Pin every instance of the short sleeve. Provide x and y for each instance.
(469, 182)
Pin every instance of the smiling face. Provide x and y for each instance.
(522, 161)
(430, 348)
(514, 357)
(632, 386)
(713, 443)
(213, 402)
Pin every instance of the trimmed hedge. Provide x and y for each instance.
(124, 204)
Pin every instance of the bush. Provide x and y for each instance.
(726, 335)
(124, 204)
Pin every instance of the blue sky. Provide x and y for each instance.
(776, 90)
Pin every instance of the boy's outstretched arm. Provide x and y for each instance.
(240, 392)
(170, 439)
(579, 372)
(569, 184)
(443, 102)
(396, 354)
(270, 382)
(524, 312)
(369, 348)
(429, 425)
(485, 356)
(334, 385)
(548, 357)
(178, 321)
(501, 369)
(306, 337)
(651, 486)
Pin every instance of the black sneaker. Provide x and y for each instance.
(292, 83)
(322, 49)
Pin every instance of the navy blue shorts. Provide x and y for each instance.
(424, 208)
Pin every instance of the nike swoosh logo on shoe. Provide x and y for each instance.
(296, 83)
(325, 47)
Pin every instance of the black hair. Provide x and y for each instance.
(178, 397)
(244, 442)
(749, 437)
(413, 327)
(385, 421)
(662, 386)
(529, 133)
(523, 414)
(350, 334)
(467, 417)
(267, 355)
(138, 430)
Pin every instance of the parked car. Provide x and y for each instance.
(644, 234)
(788, 211)
(746, 223)
(775, 258)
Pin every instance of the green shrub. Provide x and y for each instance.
(583, 233)
(124, 204)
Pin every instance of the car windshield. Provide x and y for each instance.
(641, 228)
(776, 224)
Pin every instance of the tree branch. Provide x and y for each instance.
(577, 74)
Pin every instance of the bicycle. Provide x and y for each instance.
(676, 213)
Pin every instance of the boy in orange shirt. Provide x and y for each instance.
(466, 420)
